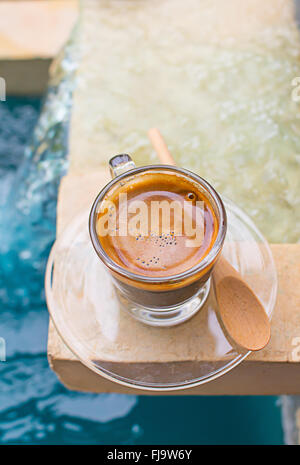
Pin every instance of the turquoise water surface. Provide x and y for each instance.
(34, 407)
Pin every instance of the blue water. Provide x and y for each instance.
(34, 407)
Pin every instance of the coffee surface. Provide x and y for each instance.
(163, 224)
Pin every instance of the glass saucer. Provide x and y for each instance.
(104, 337)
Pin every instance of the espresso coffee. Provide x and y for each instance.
(156, 224)
(159, 231)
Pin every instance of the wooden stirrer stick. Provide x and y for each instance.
(242, 313)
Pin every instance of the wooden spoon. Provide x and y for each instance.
(242, 313)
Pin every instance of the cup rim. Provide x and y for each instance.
(204, 263)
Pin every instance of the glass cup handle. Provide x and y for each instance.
(119, 164)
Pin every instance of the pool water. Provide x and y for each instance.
(35, 408)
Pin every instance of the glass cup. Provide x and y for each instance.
(166, 300)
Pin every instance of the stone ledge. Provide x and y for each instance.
(31, 35)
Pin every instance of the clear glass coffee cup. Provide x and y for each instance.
(159, 300)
